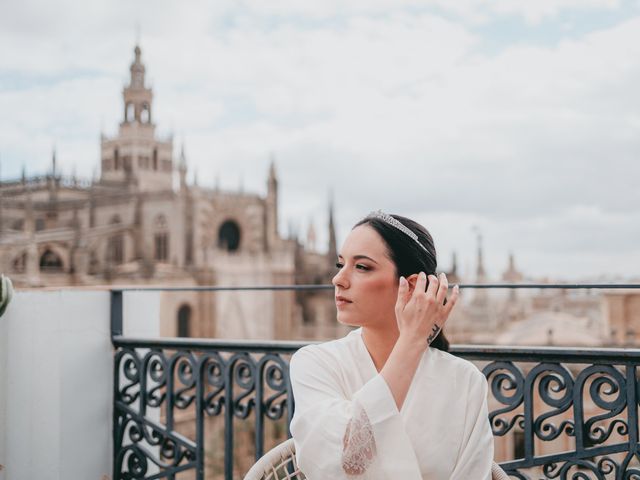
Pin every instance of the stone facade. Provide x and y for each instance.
(141, 224)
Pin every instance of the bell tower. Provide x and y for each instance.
(137, 97)
(136, 157)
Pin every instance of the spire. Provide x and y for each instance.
(183, 158)
(480, 272)
(53, 162)
(272, 168)
(332, 252)
(511, 274)
(271, 206)
(311, 236)
(272, 180)
(137, 69)
(480, 294)
(454, 264)
(182, 168)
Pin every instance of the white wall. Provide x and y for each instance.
(56, 381)
(3, 388)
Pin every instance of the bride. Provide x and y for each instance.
(387, 400)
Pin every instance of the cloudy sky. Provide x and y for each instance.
(519, 119)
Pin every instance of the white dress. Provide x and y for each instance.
(346, 424)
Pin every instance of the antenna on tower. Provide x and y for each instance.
(137, 32)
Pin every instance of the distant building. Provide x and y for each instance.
(552, 317)
(621, 310)
(141, 223)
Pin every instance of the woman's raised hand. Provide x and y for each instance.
(422, 314)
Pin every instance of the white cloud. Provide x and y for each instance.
(470, 10)
(535, 12)
(391, 107)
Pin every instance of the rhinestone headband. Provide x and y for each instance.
(386, 218)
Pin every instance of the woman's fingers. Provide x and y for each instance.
(401, 301)
(426, 309)
(432, 289)
(421, 284)
(453, 298)
(443, 285)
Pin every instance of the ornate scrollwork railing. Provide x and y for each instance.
(576, 411)
(157, 380)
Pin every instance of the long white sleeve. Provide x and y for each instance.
(342, 436)
(476, 447)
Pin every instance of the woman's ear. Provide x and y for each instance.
(412, 279)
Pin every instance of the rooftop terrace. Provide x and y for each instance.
(88, 389)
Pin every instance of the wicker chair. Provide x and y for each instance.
(279, 463)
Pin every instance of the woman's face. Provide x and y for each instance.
(366, 285)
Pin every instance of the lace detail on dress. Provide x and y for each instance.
(359, 444)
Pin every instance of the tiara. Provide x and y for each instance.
(385, 217)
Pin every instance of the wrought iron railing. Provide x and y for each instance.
(209, 378)
(587, 399)
(575, 411)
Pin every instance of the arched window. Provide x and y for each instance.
(39, 224)
(161, 239)
(116, 159)
(155, 159)
(145, 113)
(229, 236)
(129, 112)
(50, 262)
(184, 321)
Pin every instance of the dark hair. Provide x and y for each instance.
(407, 255)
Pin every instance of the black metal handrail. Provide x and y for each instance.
(622, 356)
(492, 286)
(249, 346)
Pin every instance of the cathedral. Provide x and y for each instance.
(140, 223)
